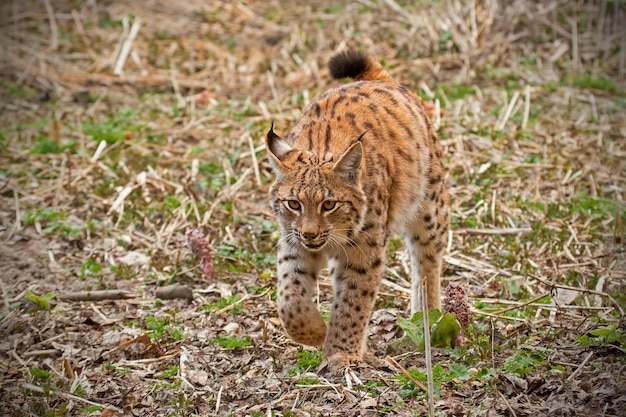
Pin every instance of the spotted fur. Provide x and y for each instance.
(362, 163)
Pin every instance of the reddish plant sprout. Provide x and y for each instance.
(201, 248)
(495, 286)
(457, 303)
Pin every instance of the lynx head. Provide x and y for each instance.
(317, 199)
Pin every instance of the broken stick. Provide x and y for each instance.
(96, 295)
(173, 291)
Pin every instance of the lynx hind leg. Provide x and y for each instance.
(426, 239)
(298, 313)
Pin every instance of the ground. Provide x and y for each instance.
(126, 124)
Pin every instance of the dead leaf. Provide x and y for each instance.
(134, 258)
(197, 377)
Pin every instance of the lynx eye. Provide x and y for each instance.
(293, 205)
(329, 205)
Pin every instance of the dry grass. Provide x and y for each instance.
(125, 124)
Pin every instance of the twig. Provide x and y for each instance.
(67, 396)
(396, 287)
(501, 231)
(493, 205)
(575, 373)
(147, 361)
(96, 155)
(128, 42)
(406, 373)
(275, 95)
(255, 208)
(230, 306)
(513, 307)
(183, 361)
(507, 403)
(585, 290)
(54, 30)
(622, 57)
(618, 231)
(398, 9)
(142, 338)
(255, 162)
(97, 295)
(219, 399)
(428, 352)
(17, 224)
(526, 107)
(5, 297)
(176, 88)
(351, 378)
(155, 81)
(322, 386)
(43, 352)
(509, 109)
(475, 265)
(575, 59)
(174, 291)
(544, 306)
(483, 313)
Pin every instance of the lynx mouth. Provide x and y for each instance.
(314, 247)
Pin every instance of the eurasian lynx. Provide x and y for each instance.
(362, 162)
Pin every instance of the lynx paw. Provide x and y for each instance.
(337, 363)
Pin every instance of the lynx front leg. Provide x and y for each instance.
(426, 239)
(356, 284)
(297, 272)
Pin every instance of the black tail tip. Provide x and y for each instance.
(348, 64)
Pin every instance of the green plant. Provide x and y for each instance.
(307, 361)
(114, 128)
(169, 372)
(446, 41)
(223, 303)
(307, 380)
(230, 342)
(18, 90)
(90, 409)
(51, 220)
(157, 327)
(123, 271)
(524, 361)
(441, 375)
(603, 335)
(162, 328)
(588, 81)
(119, 371)
(91, 268)
(41, 301)
(39, 374)
(237, 259)
(444, 328)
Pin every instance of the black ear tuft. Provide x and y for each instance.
(271, 135)
(348, 64)
(277, 149)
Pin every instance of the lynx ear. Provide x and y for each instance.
(349, 164)
(277, 149)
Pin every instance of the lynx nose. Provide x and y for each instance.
(309, 235)
(309, 229)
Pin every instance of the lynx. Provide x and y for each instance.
(361, 164)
